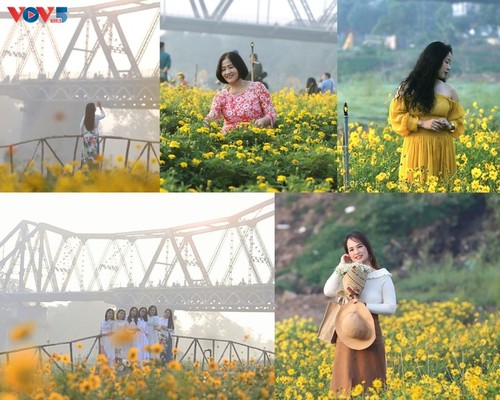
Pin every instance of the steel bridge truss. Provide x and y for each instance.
(305, 27)
(98, 33)
(197, 262)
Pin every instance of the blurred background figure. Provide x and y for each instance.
(258, 71)
(312, 86)
(327, 84)
(181, 80)
(165, 63)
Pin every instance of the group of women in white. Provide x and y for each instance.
(146, 329)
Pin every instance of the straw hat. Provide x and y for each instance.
(355, 325)
(354, 280)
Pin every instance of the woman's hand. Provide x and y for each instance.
(446, 124)
(345, 259)
(434, 124)
(98, 104)
(263, 122)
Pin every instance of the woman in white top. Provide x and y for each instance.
(166, 329)
(120, 324)
(89, 128)
(142, 334)
(106, 346)
(153, 326)
(352, 367)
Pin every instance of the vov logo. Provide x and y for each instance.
(33, 14)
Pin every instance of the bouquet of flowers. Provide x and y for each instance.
(353, 277)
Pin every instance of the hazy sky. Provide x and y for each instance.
(120, 212)
(263, 11)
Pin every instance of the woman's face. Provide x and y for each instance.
(167, 314)
(358, 252)
(120, 315)
(445, 67)
(142, 312)
(133, 312)
(152, 311)
(110, 314)
(229, 71)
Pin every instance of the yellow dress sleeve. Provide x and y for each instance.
(402, 122)
(456, 117)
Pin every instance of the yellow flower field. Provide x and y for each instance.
(375, 153)
(296, 155)
(69, 178)
(24, 379)
(443, 350)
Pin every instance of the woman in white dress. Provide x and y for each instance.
(142, 339)
(106, 346)
(133, 320)
(120, 324)
(89, 128)
(166, 329)
(153, 326)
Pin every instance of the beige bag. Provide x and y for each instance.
(326, 330)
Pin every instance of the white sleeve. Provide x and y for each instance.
(333, 285)
(388, 305)
(100, 116)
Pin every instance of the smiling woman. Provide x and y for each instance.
(241, 101)
(427, 113)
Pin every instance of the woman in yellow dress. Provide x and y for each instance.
(427, 113)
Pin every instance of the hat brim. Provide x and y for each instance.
(362, 310)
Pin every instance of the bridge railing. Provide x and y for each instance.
(67, 349)
(40, 154)
(189, 349)
(203, 350)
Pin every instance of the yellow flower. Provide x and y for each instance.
(476, 172)
(21, 373)
(23, 331)
(156, 348)
(183, 164)
(174, 144)
(281, 178)
(133, 354)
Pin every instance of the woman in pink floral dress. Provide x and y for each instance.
(240, 101)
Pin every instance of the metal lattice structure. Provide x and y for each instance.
(91, 37)
(222, 264)
(304, 27)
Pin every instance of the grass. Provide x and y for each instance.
(367, 96)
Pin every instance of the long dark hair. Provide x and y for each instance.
(130, 318)
(417, 89)
(151, 307)
(145, 318)
(311, 86)
(238, 63)
(171, 319)
(118, 312)
(106, 314)
(361, 238)
(89, 120)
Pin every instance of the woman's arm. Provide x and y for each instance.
(402, 122)
(266, 104)
(388, 305)
(215, 109)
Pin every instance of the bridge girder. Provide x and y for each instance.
(304, 28)
(141, 93)
(109, 38)
(41, 261)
